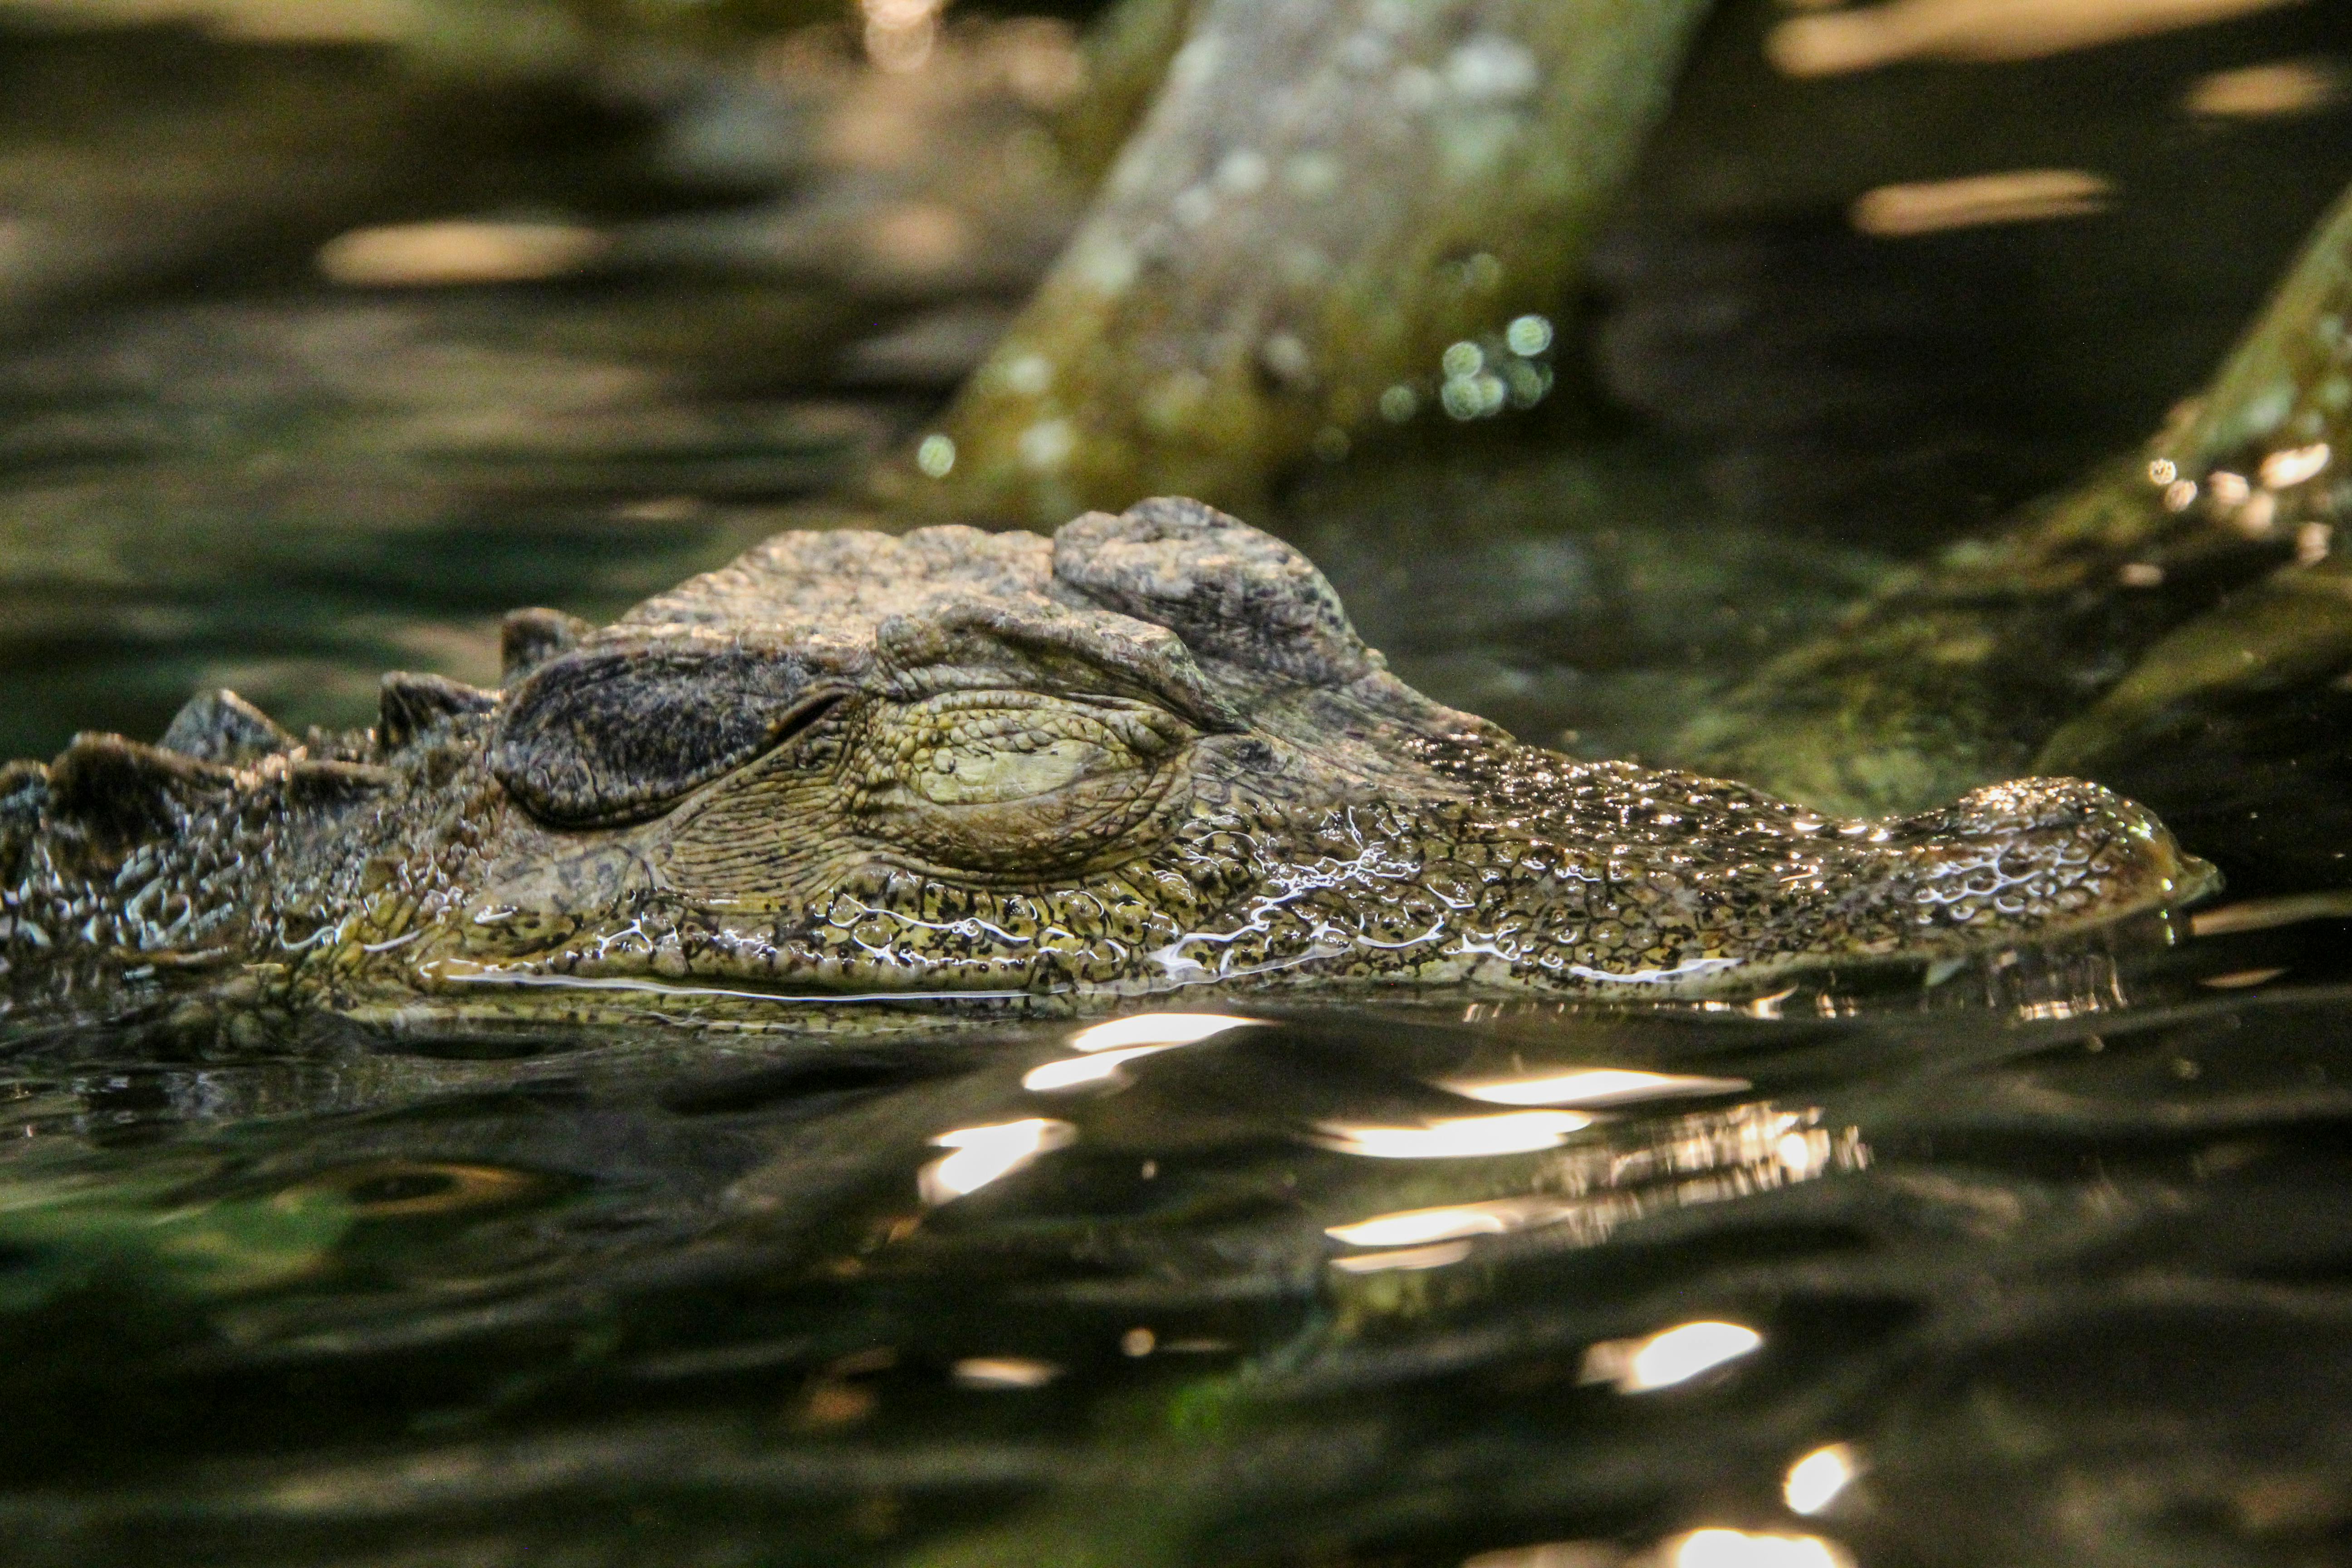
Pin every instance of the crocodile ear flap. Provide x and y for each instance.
(118, 793)
(603, 736)
(1233, 593)
(529, 639)
(409, 705)
(219, 726)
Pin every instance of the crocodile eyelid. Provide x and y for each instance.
(973, 643)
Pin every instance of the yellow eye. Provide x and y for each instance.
(966, 755)
(979, 775)
(1016, 781)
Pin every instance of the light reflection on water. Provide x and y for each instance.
(1582, 1196)
(985, 1154)
(1593, 1087)
(1668, 1357)
(1111, 1045)
(1755, 1549)
(1457, 1137)
(1716, 1547)
(1818, 1480)
(533, 1246)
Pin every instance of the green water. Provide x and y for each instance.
(2053, 1258)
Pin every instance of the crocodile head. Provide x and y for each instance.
(1147, 754)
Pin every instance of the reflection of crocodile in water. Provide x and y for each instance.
(1146, 753)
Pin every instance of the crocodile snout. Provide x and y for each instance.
(2033, 856)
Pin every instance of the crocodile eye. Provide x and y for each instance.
(609, 735)
(1011, 781)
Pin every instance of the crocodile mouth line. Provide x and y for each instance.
(459, 974)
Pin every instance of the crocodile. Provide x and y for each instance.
(855, 776)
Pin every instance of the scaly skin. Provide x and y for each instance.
(853, 780)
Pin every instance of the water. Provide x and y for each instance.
(2049, 1258)
(2070, 1288)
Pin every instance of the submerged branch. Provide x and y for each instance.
(1325, 198)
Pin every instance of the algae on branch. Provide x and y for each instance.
(1126, 56)
(1963, 672)
(1327, 195)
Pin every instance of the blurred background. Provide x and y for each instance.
(331, 329)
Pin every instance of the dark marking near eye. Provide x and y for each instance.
(604, 736)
